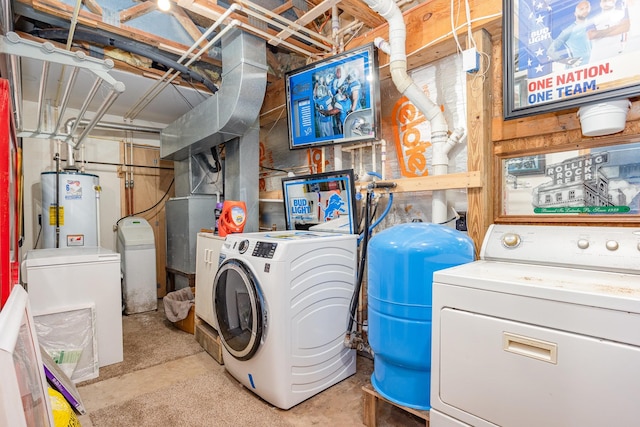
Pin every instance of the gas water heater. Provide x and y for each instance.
(75, 221)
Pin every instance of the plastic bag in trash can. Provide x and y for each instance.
(178, 303)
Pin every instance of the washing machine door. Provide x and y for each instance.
(239, 309)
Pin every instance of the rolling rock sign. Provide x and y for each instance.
(578, 186)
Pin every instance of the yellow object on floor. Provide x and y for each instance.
(63, 415)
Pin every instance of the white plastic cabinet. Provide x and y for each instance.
(207, 254)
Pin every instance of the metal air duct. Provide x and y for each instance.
(231, 111)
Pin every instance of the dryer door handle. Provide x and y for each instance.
(530, 347)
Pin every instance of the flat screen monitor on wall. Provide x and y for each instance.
(323, 202)
(334, 101)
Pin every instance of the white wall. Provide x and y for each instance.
(38, 155)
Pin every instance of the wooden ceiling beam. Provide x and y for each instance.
(61, 10)
(282, 9)
(137, 11)
(308, 18)
(120, 63)
(429, 22)
(93, 6)
(91, 20)
(210, 10)
(362, 12)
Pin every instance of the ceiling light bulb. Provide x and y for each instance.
(164, 5)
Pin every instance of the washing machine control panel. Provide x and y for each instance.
(264, 249)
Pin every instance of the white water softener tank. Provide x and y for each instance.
(137, 249)
(77, 217)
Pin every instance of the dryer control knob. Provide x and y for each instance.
(612, 245)
(510, 240)
(243, 246)
(583, 243)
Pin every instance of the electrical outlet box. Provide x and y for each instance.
(461, 223)
(470, 60)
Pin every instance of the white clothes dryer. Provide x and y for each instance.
(282, 304)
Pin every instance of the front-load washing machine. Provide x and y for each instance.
(282, 308)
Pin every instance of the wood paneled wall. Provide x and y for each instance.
(152, 183)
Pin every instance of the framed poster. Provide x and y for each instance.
(595, 182)
(561, 54)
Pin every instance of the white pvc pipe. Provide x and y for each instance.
(337, 157)
(390, 11)
(82, 156)
(373, 157)
(335, 28)
(383, 158)
(131, 184)
(382, 44)
(71, 161)
(70, 158)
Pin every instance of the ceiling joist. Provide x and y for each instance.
(137, 11)
(93, 6)
(308, 35)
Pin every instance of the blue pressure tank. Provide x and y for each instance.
(401, 263)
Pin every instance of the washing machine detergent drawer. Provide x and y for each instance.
(509, 373)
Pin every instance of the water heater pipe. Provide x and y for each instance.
(71, 163)
(440, 141)
(97, 189)
(82, 162)
(131, 183)
(57, 201)
(335, 26)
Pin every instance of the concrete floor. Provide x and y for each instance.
(340, 405)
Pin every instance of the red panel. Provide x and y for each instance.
(8, 202)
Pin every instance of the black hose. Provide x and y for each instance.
(35, 246)
(152, 207)
(216, 159)
(363, 258)
(215, 168)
